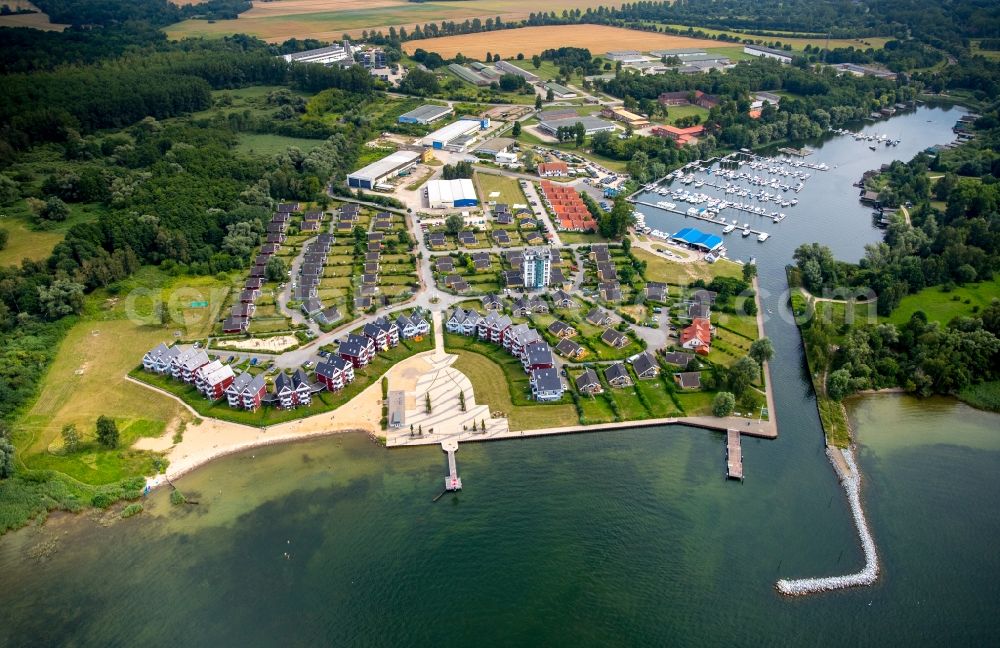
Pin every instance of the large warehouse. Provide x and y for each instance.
(377, 172)
(443, 194)
(425, 114)
(591, 125)
(456, 135)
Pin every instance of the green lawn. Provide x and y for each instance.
(268, 144)
(696, 403)
(678, 112)
(508, 189)
(491, 385)
(661, 269)
(942, 306)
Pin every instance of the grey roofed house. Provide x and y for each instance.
(503, 218)
(466, 237)
(538, 353)
(444, 264)
(528, 222)
(688, 380)
(615, 338)
(514, 255)
(617, 375)
(678, 358)
(588, 382)
(533, 237)
(345, 226)
(512, 278)
(645, 365)
(435, 239)
(369, 279)
(242, 310)
(597, 317)
(704, 296)
(314, 258)
(312, 306)
(285, 208)
(235, 324)
(562, 299)
(371, 268)
(546, 384)
(303, 292)
(452, 279)
(556, 277)
(257, 271)
(521, 306)
(568, 348)
(698, 310)
(374, 246)
(501, 237)
(373, 256)
(329, 316)
(313, 269)
(656, 291)
(492, 302)
(481, 263)
(376, 236)
(606, 271)
(460, 286)
(600, 252)
(362, 302)
(538, 305)
(253, 283)
(560, 328)
(611, 291)
(312, 215)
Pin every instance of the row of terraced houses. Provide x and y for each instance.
(215, 379)
(520, 340)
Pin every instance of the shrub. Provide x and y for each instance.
(102, 500)
(177, 498)
(131, 509)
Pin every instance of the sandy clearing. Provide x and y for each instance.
(533, 40)
(275, 344)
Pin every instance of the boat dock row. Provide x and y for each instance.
(734, 455)
(708, 219)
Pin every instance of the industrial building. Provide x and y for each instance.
(591, 125)
(622, 115)
(425, 114)
(323, 55)
(445, 194)
(377, 172)
(627, 56)
(768, 52)
(560, 91)
(456, 136)
(467, 75)
(510, 68)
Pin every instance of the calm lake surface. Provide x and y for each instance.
(613, 538)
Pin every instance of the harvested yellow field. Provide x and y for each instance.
(280, 20)
(533, 40)
(37, 20)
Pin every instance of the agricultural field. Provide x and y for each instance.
(330, 19)
(993, 55)
(533, 40)
(37, 20)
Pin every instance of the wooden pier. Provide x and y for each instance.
(452, 482)
(734, 455)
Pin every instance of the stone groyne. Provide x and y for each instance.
(869, 574)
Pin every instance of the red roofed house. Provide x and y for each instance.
(550, 169)
(680, 135)
(698, 336)
(570, 211)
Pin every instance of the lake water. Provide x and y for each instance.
(623, 537)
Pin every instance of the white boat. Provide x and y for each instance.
(763, 236)
(728, 229)
(746, 232)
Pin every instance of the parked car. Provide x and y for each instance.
(253, 362)
(230, 359)
(308, 365)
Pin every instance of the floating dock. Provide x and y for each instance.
(452, 482)
(734, 455)
(717, 221)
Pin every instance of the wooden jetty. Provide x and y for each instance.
(734, 455)
(452, 482)
(717, 221)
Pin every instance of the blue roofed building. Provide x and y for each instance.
(697, 239)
